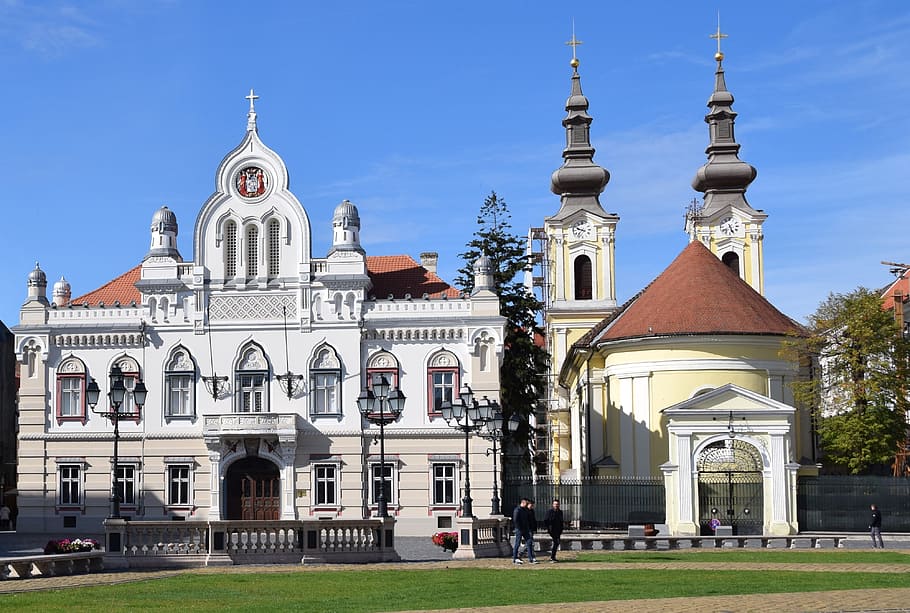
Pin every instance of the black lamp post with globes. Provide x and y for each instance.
(117, 395)
(381, 405)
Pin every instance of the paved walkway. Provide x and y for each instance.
(878, 600)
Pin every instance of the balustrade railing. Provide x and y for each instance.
(203, 543)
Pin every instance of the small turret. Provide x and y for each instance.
(164, 235)
(483, 274)
(62, 292)
(37, 285)
(346, 228)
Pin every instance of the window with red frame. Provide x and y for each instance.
(373, 375)
(71, 390)
(443, 387)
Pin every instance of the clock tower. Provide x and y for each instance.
(579, 285)
(725, 222)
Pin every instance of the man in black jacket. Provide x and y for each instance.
(553, 521)
(875, 528)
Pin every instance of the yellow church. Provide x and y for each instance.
(685, 380)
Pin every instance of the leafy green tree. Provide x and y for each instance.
(859, 392)
(525, 362)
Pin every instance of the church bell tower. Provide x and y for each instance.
(725, 222)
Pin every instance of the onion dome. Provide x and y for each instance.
(579, 181)
(62, 292)
(346, 213)
(37, 278)
(164, 220)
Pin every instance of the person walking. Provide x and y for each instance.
(554, 521)
(522, 527)
(4, 518)
(875, 528)
(532, 530)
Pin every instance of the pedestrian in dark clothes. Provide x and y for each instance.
(554, 521)
(875, 528)
(521, 524)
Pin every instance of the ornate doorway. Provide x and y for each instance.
(730, 487)
(253, 488)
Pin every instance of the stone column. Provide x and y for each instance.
(288, 477)
(214, 446)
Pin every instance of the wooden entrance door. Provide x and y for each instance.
(260, 497)
(253, 488)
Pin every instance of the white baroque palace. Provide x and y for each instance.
(217, 339)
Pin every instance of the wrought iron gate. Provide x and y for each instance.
(730, 487)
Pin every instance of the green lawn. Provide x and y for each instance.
(394, 590)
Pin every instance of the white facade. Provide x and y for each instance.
(252, 304)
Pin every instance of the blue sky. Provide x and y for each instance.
(416, 110)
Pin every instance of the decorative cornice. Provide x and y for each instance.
(442, 432)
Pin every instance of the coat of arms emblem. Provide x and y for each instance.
(252, 182)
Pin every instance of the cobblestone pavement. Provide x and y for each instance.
(878, 600)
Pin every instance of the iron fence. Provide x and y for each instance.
(829, 503)
(610, 503)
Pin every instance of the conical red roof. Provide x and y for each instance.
(698, 294)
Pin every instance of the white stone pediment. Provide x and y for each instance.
(728, 398)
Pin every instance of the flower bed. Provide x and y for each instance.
(446, 540)
(71, 545)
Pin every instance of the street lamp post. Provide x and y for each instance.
(381, 405)
(117, 395)
(467, 415)
(494, 431)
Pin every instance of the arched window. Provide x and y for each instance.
(443, 380)
(583, 284)
(325, 382)
(274, 248)
(251, 375)
(381, 364)
(71, 390)
(252, 252)
(129, 369)
(731, 259)
(180, 385)
(230, 250)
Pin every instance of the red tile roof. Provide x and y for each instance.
(697, 294)
(391, 274)
(123, 288)
(398, 275)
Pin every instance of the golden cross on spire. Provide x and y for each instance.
(574, 43)
(251, 98)
(718, 36)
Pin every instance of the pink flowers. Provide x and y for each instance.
(71, 545)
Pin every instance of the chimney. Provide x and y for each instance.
(429, 259)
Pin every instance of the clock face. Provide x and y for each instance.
(581, 229)
(729, 226)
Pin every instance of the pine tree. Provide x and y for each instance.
(859, 395)
(525, 361)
